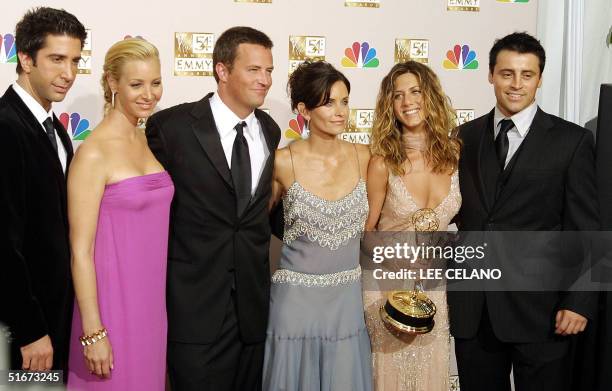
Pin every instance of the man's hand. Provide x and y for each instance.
(569, 323)
(38, 356)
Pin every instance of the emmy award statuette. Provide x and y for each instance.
(412, 311)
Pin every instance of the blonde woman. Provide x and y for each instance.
(118, 206)
(414, 166)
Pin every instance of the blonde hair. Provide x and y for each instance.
(118, 55)
(442, 152)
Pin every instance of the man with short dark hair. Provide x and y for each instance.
(220, 154)
(35, 152)
(521, 169)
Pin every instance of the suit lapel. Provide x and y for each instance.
(32, 124)
(529, 154)
(63, 135)
(266, 172)
(66, 142)
(206, 132)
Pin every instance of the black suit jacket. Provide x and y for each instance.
(210, 247)
(37, 296)
(549, 187)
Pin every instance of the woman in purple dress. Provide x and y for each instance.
(118, 205)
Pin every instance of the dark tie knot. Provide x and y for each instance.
(501, 142)
(505, 125)
(240, 128)
(50, 130)
(48, 123)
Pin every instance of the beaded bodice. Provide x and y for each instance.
(329, 224)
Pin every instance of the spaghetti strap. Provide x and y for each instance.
(357, 156)
(292, 166)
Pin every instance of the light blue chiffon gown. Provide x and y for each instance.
(317, 338)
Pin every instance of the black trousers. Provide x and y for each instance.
(228, 364)
(484, 362)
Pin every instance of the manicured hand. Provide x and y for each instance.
(99, 357)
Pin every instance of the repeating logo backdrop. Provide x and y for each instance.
(360, 55)
(461, 57)
(77, 126)
(8, 52)
(363, 38)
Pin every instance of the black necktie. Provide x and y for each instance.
(501, 142)
(48, 124)
(241, 169)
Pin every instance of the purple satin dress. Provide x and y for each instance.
(130, 259)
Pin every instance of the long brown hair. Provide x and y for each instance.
(442, 152)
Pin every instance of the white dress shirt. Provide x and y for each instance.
(41, 115)
(522, 123)
(226, 120)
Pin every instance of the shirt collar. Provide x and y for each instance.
(522, 120)
(39, 112)
(226, 119)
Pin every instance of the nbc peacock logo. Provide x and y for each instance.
(8, 51)
(360, 55)
(77, 126)
(297, 128)
(461, 57)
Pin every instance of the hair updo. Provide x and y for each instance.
(311, 84)
(118, 55)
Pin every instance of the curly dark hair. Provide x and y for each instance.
(311, 83)
(517, 42)
(32, 30)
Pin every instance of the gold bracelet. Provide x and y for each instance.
(93, 338)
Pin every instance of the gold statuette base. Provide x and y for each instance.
(402, 328)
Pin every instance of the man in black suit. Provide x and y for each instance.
(35, 153)
(521, 170)
(220, 154)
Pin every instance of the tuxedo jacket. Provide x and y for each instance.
(212, 250)
(37, 297)
(548, 185)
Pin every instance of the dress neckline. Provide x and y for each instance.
(298, 185)
(133, 178)
(442, 202)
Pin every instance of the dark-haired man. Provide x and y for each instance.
(34, 155)
(521, 169)
(220, 153)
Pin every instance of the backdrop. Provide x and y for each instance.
(362, 38)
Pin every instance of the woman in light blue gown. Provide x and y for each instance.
(317, 337)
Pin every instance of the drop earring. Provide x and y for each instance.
(113, 100)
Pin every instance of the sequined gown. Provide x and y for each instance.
(317, 338)
(405, 362)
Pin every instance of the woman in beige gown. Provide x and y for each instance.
(414, 166)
